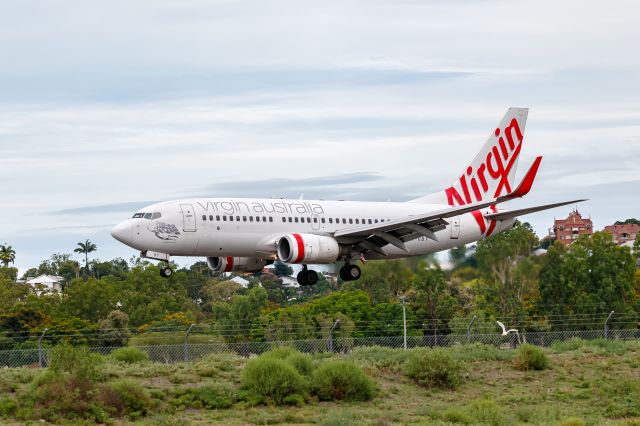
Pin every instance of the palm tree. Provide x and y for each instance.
(7, 255)
(86, 248)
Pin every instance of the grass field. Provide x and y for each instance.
(590, 383)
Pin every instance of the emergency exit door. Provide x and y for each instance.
(455, 227)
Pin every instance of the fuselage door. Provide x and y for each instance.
(188, 218)
(455, 227)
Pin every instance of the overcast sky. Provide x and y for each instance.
(108, 106)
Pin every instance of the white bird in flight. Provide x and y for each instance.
(504, 329)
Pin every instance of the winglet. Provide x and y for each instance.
(525, 186)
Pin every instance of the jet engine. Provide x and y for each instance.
(235, 264)
(308, 248)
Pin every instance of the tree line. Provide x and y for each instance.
(505, 277)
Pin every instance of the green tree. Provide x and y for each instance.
(113, 329)
(7, 255)
(89, 300)
(235, 318)
(502, 289)
(282, 269)
(433, 301)
(383, 280)
(86, 248)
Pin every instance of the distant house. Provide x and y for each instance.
(46, 282)
(244, 283)
(623, 233)
(567, 230)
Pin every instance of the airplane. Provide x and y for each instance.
(246, 234)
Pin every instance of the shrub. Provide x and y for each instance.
(572, 421)
(572, 344)
(273, 379)
(7, 407)
(340, 380)
(62, 396)
(76, 361)
(301, 362)
(479, 352)
(456, 415)
(379, 358)
(218, 365)
(486, 411)
(434, 368)
(125, 397)
(211, 396)
(130, 355)
(529, 357)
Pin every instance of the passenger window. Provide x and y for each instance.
(308, 220)
(290, 219)
(350, 221)
(211, 217)
(330, 220)
(344, 220)
(257, 218)
(244, 218)
(322, 220)
(218, 217)
(369, 221)
(270, 218)
(357, 221)
(237, 218)
(224, 218)
(284, 219)
(296, 219)
(204, 217)
(264, 218)
(364, 221)
(250, 218)
(376, 221)
(230, 218)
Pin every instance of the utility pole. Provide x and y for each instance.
(404, 321)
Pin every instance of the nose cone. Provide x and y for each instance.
(123, 232)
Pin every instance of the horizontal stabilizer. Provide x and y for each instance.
(520, 212)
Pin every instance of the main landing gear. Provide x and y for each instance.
(166, 272)
(350, 272)
(307, 276)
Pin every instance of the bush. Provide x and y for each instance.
(7, 407)
(456, 415)
(125, 397)
(572, 421)
(340, 380)
(434, 368)
(272, 379)
(76, 361)
(479, 352)
(218, 365)
(62, 396)
(529, 357)
(301, 362)
(130, 355)
(379, 358)
(486, 411)
(212, 396)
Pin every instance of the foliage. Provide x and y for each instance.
(7, 254)
(529, 357)
(75, 361)
(301, 362)
(125, 397)
(379, 358)
(236, 318)
(487, 412)
(383, 281)
(213, 396)
(273, 380)
(340, 380)
(435, 304)
(434, 368)
(130, 355)
(86, 248)
(114, 329)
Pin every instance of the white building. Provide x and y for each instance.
(46, 283)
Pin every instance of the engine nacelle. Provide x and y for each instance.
(235, 264)
(308, 248)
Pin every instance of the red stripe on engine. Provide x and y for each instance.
(229, 266)
(300, 248)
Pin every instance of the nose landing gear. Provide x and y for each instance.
(307, 276)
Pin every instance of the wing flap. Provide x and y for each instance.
(520, 212)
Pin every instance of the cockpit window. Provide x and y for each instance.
(138, 215)
(148, 215)
(156, 215)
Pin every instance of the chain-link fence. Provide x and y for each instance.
(172, 353)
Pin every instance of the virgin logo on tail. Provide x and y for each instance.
(474, 185)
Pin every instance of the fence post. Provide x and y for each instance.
(331, 335)
(40, 357)
(404, 322)
(469, 329)
(186, 344)
(606, 326)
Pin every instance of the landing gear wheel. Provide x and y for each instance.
(312, 277)
(166, 272)
(350, 272)
(302, 278)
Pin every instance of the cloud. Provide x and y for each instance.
(104, 208)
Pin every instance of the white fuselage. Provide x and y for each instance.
(252, 227)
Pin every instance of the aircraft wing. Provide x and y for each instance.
(399, 231)
(520, 212)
